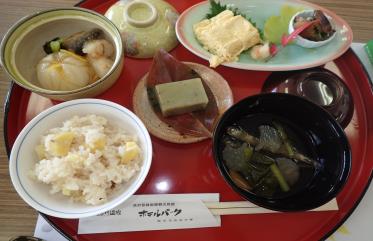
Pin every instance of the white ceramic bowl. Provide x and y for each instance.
(305, 42)
(23, 157)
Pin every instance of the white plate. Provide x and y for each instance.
(292, 57)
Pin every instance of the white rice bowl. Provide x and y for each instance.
(50, 200)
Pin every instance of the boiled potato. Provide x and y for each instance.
(60, 144)
(131, 151)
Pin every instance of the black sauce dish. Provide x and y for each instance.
(325, 141)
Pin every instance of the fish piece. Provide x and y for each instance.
(239, 133)
(165, 68)
(242, 135)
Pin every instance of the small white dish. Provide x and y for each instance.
(23, 158)
(299, 40)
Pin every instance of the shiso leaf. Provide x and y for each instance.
(217, 7)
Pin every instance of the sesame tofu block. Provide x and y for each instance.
(181, 97)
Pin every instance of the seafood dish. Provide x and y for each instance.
(320, 30)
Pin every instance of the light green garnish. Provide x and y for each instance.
(276, 26)
(248, 152)
(55, 46)
(280, 178)
(217, 7)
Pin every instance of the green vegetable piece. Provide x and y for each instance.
(52, 46)
(256, 176)
(289, 148)
(236, 159)
(267, 185)
(248, 152)
(280, 178)
(259, 167)
(276, 26)
(55, 46)
(217, 7)
(369, 50)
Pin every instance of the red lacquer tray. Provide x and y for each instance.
(190, 168)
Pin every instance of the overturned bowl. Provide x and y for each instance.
(22, 49)
(319, 85)
(146, 26)
(312, 130)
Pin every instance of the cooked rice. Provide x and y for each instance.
(87, 158)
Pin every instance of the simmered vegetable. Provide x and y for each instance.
(237, 159)
(74, 42)
(289, 169)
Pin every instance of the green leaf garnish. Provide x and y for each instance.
(217, 7)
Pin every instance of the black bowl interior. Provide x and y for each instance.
(325, 138)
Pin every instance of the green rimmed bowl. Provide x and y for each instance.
(22, 48)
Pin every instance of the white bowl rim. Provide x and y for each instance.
(28, 198)
(41, 90)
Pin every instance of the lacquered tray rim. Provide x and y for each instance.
(68, 237)
(7, 105)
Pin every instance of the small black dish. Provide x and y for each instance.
(325, 137)
(318, 85)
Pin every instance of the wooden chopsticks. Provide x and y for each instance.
(245, 207)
